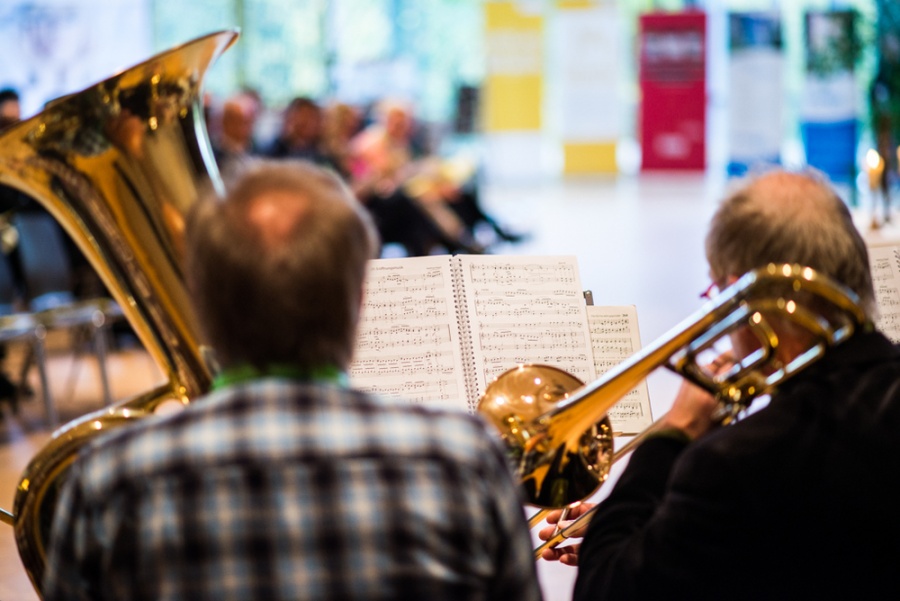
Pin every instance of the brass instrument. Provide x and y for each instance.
(555, 434)
(118, 165)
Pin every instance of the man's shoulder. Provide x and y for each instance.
(854, 389)
(283, 421)
(416, 429)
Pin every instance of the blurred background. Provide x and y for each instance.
(600, 129)
(560, 87)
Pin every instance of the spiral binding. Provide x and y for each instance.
(465, 334)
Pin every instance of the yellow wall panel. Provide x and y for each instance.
(513, 89)
(585, 158)
(506, 15)
(513, 103)
(567, 4)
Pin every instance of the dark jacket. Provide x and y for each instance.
(800, 500)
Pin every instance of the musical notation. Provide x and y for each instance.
(615, 338)
(547, 325)
(511, 272)
(498, 338)
(628, 409)
(885, 266)
(491, 367)
(403, 336)
(403, 365)
(491, 306)
(425, 390)
(407, 346)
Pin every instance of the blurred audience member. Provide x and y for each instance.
(301, 134)
(342, 122)
(386, 159)
(381, 162)
(10, 109)
(235, 144)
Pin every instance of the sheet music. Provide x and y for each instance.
(526, 310)
(615, 338)
(885, 265)
(408, 342)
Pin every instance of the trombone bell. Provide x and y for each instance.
(552, 477)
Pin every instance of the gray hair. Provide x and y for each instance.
(276, 268)
(783, 217)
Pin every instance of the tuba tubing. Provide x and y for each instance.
(545, 446)
(118, 165)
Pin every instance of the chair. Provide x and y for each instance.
(18, 326)
(49, 285)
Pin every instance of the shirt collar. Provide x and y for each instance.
(246, 373)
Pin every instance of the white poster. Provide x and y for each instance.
(589, 62)
(50, 48)
(756, 90)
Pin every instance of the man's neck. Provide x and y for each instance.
(242, 373)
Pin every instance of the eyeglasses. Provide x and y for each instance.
(711, 291)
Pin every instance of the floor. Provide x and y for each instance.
(75, 387)
(638, 240)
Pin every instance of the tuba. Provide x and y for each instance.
(562, 453)
(118, 165)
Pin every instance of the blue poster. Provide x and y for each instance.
(828, 112)
(755, 91)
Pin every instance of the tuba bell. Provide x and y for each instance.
(118, 165)
(561, 454)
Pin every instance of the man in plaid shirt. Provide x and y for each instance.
(283, 483)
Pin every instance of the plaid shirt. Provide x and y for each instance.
(276, 489)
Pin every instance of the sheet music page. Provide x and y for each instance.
(408, 342)
(526, 310)
(885, 264)
(614, 338)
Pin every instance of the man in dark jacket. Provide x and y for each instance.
(796, 501)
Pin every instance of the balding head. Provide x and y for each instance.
(783, 217)
(276, 269)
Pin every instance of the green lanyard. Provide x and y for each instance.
(247, 373)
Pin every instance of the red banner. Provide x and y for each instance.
(673, 90)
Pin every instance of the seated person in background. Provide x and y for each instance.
(285, 483)
(797, 500)
(385, 156)
(383, 163)
(234, 145)
(340, 124)
(396, 217)
(301, 134)
(10, 108)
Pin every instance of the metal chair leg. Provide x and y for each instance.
(100, 350)
(40, 356)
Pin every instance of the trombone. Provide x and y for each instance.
(556, 430)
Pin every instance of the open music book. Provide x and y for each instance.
(885, 264)
(438, 329)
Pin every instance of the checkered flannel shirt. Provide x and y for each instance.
(276, 489)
